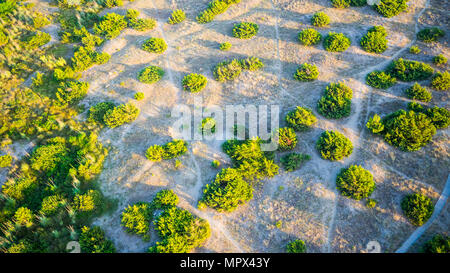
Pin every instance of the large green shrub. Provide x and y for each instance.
(306, 73)
(110, 25)
(441, 81)
(124, 113)
(334, 146)
(375, 40)
(93, 240)
(429, 35)
(380, 79)
(406, 70)
(390, 8)
(355, 182)
(301, 119)
(245, 30)
(296, 246)
(320, 19)
(437, 244)
(309, 37)
(151, 74)
(177, 17)
(336, 101)
(227, 71)
(417, 208)
(155, 45)
(294, 161)
(439, 116)
(194, 83)
(37, 40)
(136, 219)
(417, 92)
(336, 42)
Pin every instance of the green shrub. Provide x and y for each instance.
(441, 81)
(306, 73)
(38, 40)
(390, 8)
(85, 57)
(438, 244)
(320, 19)
(251, 63)
(406, 70)
(375, 125)
(111, 3)
(24, 217)
(380, 80)
(215, 163)
(41, 21)
(375, 40)
(208, 126)
(309, 37)
(50, 158)
(151, 74)
(110, 25)
(429, 35)
(336, 42)
(340, 3)
(355, 182)
(417, 208)
(139, 24)
(416, 107)
(124, 113)
(371, 203)
(225, 46)
(136, 219)
(226, 192)
(300, 119)
(89, 202)
(51, 204)
(215, 7)
(439, 60)
(155, 153)
(165, 199)
(245, 30)
(169, 150)
(358, 3)
(71, 92)
(97, 112)
(227, 71)
(440, 117)
(93, 240)
(177, 17)
(5, 161)
(155, 45)
(414, 50)
(334, 146)
(417, 92)
(287, 139)
(296, 246)
(194, 83)
(139, 96)
(294, 161)
(336, 101)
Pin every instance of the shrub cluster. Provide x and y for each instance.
(71, 92)
(375, 40)
(124, 113)
(138, 23)
(439, 59)
(391, 8)
(110, 25)
(437, 244)
(306, 73)
(441, 81)
(300, 119)
(406, 70)
(380, 79)
(294, 161)
(355, 182)
(296, 246)
(155, 45)
(194, 83)
(215, 7)
(177, 17)
(98, 111)
(334, 146)
(417, 92)
(309, 37)
(170, 150)
(417, 208)
(245, 30)
(151, 74)
(320, 19)
(429, 35)
(93, 240)
(86, 57)
(111, 3)
(336, 42)
(287, 139)
(336, 101)
(229, 70)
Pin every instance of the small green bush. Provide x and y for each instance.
(440, 117)
(380, 80)
(438, 244)
(407, 71)
(169, 150)
(251, 63)
(139, 96)
(371, 203)
(417, 208)
(86, 57)
(177, 17)
(24, 217)
(194, 83)
(245, 30)
(355, 182)
(439, 60)
(208, 126)
(110, 25)
(320, 19)
(358, 3)
(334, 146)
(306, 73)
(287, 139)
(300, 119)
(151, 74)
(124, 113)
(296, 246)
(165, 199)
(391, 8)
(294, 161)
(417, 92)
(93, 240)
(441, 81)
(375, 125)
(155, 45)
(137, 23)
(429, 35)
(225, 46)
(309, 37)
(97, 112)
(340, 3)
(38, 40)
(336, 101)
(227, 71)
(336, 42)
(91, 201)
(136, 219)
(414, 50)
(215, 163)
(5, 161)
(155, 153)
(375, 40)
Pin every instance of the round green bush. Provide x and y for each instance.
(293, 161)
(124, 113)
(407, 70)
(417, 208)
(306, 73)
(380, 80)
(225, 46)
(441, 81)
(355, 182)
(334, 146)
(439, 60)
(139, 96)
(414, 50)
(320, 19)
(309, 36)
(390, 8)
(177, 17)
(375, 40)
(375, 125)
(417, 92)
(336, 42)
(155, 45)
(336, 101)
(194, 83)
(287, 139)
(245, 30)
(136, 219)
(155, 153)
(296, 246)
(165, 199)
(227, 71)
(340, 3)
(438, 244)
(151, 74)
(300, 119)
(429, 35)
(440, 117)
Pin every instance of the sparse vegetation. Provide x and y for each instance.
(139, 96)
(414, 50)
(429, 35)
(294, 161)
